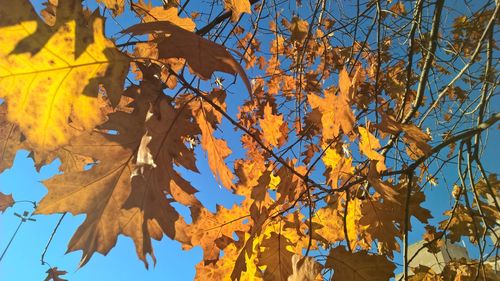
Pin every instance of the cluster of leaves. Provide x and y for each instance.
(335, 160)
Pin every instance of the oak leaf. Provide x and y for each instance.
(276, 257)
(120, 195)
(299, 29)
(207, 118)
(203, 56)
(6, 201)
(358, 266)
(272, 127)
(54, 274)
(114, 5)
(304, 269)
(51, 74)
(11, 140)
(368, 144)
(336, 113)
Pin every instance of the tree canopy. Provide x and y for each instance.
(332, 120)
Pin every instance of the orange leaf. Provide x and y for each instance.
(271, 127)
(6, 201)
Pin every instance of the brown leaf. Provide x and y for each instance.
(6, 201)
(11, 140)
(119, 195)
(381, 187)
(276, 257)
(204, 57)
(358, 266)
(54, 274)
(299, 29)
(304, 269)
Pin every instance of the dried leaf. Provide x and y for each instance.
(304, 269)
(271, 127)
(54, 274)
(204, 57)
(6, 201)
(358, 266)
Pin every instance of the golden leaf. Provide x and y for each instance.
(368, 144)
(51, 74)
(237, 7)
(299, 29)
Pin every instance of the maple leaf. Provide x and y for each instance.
(358, 266)
(51, 74)
(274, 131)
(122, 196)
(237, 7)
(54, 274)
(203, 56)
(6, 201)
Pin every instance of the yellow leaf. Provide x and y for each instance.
(114, 5)
(170, 14)
(237, 7)
(51, 74)
(368, 144)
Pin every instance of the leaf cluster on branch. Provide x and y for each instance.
(346, 113)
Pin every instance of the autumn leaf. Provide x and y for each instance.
(237, 7)
(299, 29)
(114, 5)
(381, 187)
(217, 149)
(358, 266)
(369, 144)
(171, 15)
(120, 195)
(203, 56)
(276, 257)
(6, 201)
(54, 274)
(11, 140)
(51, 74)
(304, 269)
(273, 129)
(336, 113)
